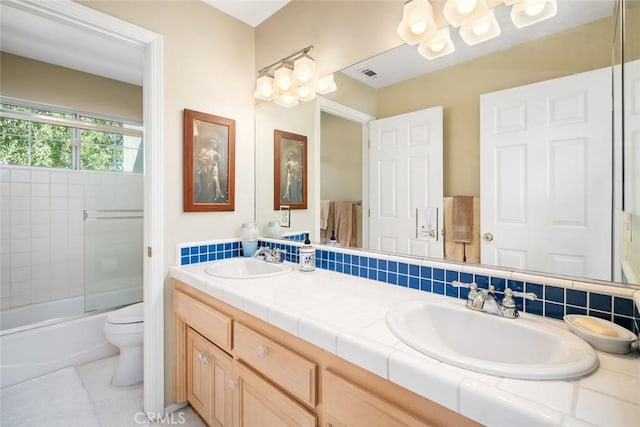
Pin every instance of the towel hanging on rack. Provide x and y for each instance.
(324, 213)
(462, 219)
(345, 223)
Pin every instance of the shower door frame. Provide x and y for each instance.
(151, 46)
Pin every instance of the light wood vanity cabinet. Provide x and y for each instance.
(257, 375)
(209, 374)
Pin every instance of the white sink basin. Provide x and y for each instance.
(246, 268)
(524, 348)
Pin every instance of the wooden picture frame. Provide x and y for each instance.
(209, 162)
(290, 170)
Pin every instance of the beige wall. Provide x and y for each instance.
(632, 30)
(209, 67)
(25, 79)
(458, 89)
(340, 159)
(342, 32)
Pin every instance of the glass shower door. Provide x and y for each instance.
(113, 232)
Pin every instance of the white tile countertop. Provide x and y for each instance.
(345, 315)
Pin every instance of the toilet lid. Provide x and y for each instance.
(130, 314)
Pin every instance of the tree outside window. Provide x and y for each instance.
(30, 143)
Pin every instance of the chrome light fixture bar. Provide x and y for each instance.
(474, 18)
(292, 79)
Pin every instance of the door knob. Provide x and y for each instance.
(488, 237)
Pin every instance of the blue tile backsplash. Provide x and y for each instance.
(553, 301)
(209, 252)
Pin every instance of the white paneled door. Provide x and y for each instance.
(546, 176)
(405, 174)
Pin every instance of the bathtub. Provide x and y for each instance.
(31, 346)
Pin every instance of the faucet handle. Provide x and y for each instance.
(458, 284)
(277, 254)
(526, 295)
(508, 301)
(473, 290)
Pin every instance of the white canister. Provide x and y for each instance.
(307, 256)
(273, 229)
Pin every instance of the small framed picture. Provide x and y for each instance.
(290, 170)
(209, 162)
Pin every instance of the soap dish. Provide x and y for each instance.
(620, 344)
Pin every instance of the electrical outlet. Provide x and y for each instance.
(285, 216)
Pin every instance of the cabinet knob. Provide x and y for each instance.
(261, 352)
(202, 357)
(233, 384)
(488, 237)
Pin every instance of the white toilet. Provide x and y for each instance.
(124, 329)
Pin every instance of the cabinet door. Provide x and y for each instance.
(347, 404)
(259, 404)
(222, 386)
(209, 375)
(199, 374)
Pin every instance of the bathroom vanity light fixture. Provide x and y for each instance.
(475, 19)
(291, 80)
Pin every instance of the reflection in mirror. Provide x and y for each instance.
(552, 194)
(631, 142)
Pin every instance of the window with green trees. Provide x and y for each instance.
(34, 143)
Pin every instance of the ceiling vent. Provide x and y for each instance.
(368, 72)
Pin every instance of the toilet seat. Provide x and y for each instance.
(130, 314)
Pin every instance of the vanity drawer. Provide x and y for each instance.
(286, 368)
(347, 404)
(208, 322)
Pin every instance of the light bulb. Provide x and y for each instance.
(266, 89)
(534, 8)
(304, 70)
(304, 77)
(325, 84)
(419, 27)
(287, 98)
(480, 28)
(437, 46)
(465, 7)
(283, 77)
(304, 91)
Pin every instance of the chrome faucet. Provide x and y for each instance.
(269, 255)
(487, 302)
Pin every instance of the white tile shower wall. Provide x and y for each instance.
(42, 229)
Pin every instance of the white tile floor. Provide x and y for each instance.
(122, 406)
(112, 406)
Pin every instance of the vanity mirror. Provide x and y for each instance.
(457, 84)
